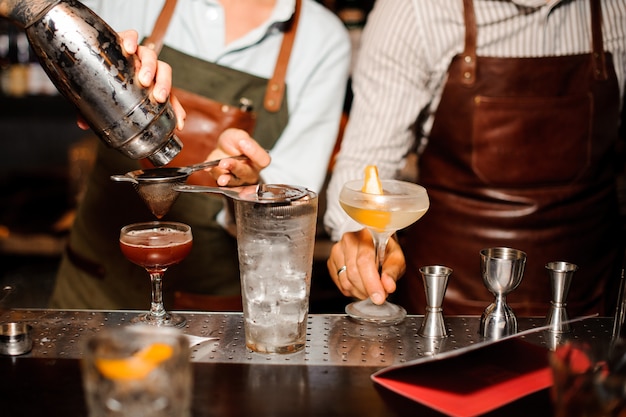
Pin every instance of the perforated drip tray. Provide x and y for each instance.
(331, 339)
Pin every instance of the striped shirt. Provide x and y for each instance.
(407, 46)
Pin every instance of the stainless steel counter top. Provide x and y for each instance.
(332, 339)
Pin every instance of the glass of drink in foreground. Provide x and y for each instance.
(138, 371)
(276, 243)
(400, 204)
(156, 246)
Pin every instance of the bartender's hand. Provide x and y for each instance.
(233, 172)
(360, 278)
(150, 71)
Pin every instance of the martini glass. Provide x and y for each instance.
(156, 246)
(401, 204)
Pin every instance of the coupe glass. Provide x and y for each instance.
(156, 246)
(401, 204)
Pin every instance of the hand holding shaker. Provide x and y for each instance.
(83, 57)
(138, 371)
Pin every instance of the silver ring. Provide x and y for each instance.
(342, 269)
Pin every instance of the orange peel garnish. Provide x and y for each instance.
(371, 217)
(137, 366)
(372, 184)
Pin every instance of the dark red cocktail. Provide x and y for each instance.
(155, 246)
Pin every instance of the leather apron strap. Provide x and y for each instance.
(468, 64)
(276, 87)
(469, 53)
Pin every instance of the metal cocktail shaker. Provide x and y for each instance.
(84, 59)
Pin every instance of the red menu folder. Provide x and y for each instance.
(473, 380)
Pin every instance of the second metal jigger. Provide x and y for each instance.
(435, 283)
(502, 270)
(560, 274)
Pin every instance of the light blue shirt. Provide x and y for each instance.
(316, 76)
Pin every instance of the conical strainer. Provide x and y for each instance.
(155, 186)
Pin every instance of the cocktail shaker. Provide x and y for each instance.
(84, 59)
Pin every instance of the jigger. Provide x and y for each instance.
(560, 279)
(435, 279)
(502, 270)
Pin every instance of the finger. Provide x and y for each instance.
(228, 143)
(338, 271)
(230, 180)
(239, 142)
(231, 172)
(179, 111)
(250, 171)
(147, 66)
(394, 266)
(162, 81)
(350, 250)
(129, 41)
(236, 174)
(259, 157)
(368, 269)
(146, 62)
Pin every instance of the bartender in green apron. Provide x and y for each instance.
(227, 53)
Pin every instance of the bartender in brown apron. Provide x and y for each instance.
(522, 154)
(212, 267)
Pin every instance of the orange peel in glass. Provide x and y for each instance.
(376, 219)
(137, 366)
(372, 184)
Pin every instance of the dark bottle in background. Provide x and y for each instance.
(21, 74)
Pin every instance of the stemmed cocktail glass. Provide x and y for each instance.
(401, 204)
(156, 246)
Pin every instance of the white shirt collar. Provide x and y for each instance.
(283, 10)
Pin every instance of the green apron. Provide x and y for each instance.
(94, 273)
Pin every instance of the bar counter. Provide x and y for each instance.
(330, 377)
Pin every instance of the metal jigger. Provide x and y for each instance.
(502, 270)
(560, 279)
(435, 283)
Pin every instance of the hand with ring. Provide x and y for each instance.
(352, 266)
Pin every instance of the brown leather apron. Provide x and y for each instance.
(93, 272)
(522, 154)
